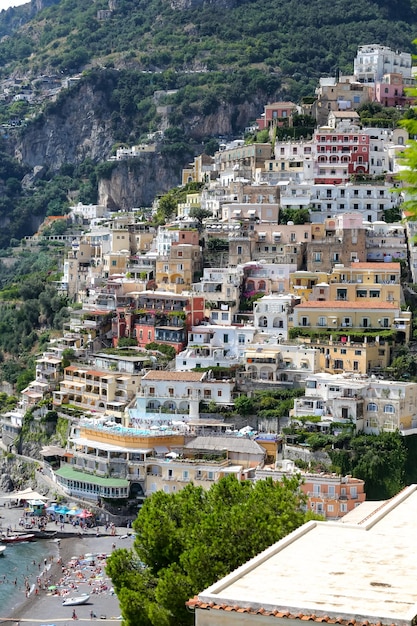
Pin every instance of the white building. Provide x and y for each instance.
(215, 346)
(273, 362)
(372, 405)
(270, 313)
(165, 397)
(385, 242)
(327, 200)
(373, 61)
(89, 211)
(221, 289)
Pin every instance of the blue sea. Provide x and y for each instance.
(20, 561)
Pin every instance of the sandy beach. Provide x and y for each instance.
(78, 568)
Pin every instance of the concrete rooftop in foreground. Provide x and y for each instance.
(365, 570)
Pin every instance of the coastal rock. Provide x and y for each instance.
(6, 483)
(136, 182)
(77, 128)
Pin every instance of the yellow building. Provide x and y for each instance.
(96, 390)
(344, 355)
(175, 272)
(352, 317)
(375, 282)
(192, 201)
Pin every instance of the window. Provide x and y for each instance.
(304, 321)
(322, 321)
(331, 490)
(241, 338)
(330, 508)
(372, 407)
(225, 316)
(358, 352)
(374, 293)
(388, 408)
(317, 257)
(225, 338)
(343, 507)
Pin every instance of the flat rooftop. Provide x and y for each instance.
(328, 571)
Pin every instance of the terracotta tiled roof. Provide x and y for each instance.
(340, 304)
(363, 265)
(196, 603)
(180, 376)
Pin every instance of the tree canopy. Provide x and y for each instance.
(188, 540)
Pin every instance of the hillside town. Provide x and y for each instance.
(175, 324)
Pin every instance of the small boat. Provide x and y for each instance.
(76, 600)
(2, 549)
(17, 538)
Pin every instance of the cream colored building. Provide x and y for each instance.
(372, 405)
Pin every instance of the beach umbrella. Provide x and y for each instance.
(74, 512)
(62, 510)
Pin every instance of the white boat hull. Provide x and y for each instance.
(76, 600)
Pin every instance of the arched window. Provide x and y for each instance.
(388, 408)
(372, 407)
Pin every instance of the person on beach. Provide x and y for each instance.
(74, 615)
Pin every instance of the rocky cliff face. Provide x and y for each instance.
(135, 183)
(227, 120)
(75, 128)
(78, 126)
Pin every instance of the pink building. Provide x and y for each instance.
(390, 91)
(277, 114)
(340, 154)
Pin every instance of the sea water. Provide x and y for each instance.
(19, 562)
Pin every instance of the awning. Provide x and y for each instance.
(52, 451)
(72, 383)
(262, 234)
(26, 494)
(161, 449)
(262, 355)
(251, 211)
(277, 234)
